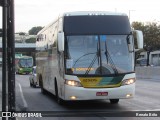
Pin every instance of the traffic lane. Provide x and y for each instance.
(42, 102)
(147, 95)
(38, 102)
(148, 92)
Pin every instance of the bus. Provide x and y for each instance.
(88, 56)
(23, 64)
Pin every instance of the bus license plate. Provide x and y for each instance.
(101, 93)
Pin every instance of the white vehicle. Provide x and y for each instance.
(33, 78)
(87, 56)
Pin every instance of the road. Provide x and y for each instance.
(31, 99)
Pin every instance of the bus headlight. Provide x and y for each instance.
(128, 81)
(73, 83)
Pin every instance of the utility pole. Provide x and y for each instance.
(8, 49)
(4, 54)
(11, 57)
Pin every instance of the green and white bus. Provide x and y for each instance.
(88, 56)
(23, 64)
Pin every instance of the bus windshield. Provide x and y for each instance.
(26, 62)
(98, 54)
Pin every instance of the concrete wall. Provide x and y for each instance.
(148, 72)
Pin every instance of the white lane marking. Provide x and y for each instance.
(24, 101)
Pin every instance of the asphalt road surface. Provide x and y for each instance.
(147, 98)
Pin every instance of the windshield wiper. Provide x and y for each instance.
(94, 59)
(108, 58)
(83, 56)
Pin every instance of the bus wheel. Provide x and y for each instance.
(43, 91)
(114, 101)
(59, 100)
(33, 84)
(30, 84)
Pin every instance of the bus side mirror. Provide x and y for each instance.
(139, 37)
(61, 41)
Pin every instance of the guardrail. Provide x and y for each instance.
(23, 45)
(148, 72)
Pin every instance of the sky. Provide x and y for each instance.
(31, 13)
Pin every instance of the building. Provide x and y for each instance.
(20, 44)
(154, 58)
(22, 38)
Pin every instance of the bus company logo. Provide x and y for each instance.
(83, 69)
(90, 80)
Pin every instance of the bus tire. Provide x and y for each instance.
(114, 101)
(30, 84)
(34, 85)
(43, 91)
(58, 99)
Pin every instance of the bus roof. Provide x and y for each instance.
(82, 13)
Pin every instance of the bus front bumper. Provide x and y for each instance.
(24, 70)
(81, 93)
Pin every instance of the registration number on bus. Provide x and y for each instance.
(101, 93)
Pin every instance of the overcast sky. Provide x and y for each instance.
(30, 13)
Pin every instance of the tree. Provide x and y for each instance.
(151, 34)
(31, 40)
(22, 33)
(35, 30)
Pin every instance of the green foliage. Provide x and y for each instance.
(22, 33)
(31, 40)
(35, 30)
(17, 41)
